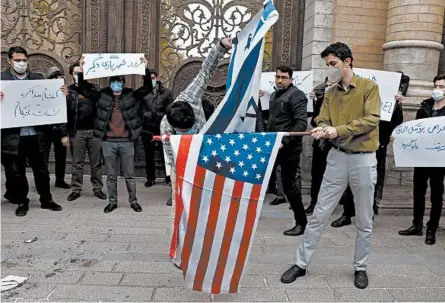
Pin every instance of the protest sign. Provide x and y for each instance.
(107, 65)
(302, 80)
(31, 103)
(420, 143)
(388, 83)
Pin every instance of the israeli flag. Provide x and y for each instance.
(237, 111)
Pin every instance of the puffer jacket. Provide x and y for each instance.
(153, 108)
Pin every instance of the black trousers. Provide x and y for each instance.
(436, 178)
(15, 170)
(289, 161)
(149, 150)
(59, 155)
(319, 156)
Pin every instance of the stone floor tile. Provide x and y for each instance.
(102, 278)
(153, 280)
(375, 281)
(362, 295)
(254, 295)
(305, 282)
(146, 267)
(179, 295)
(418, 294)
(310, 295)
(102, 293)
(427, 281)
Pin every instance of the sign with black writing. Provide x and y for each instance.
(388, 83)
(420, 143)
(108, 65)
(31, 103)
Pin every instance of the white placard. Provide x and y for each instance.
(302, 80)
(388, 83)
(32, 102)
(107, 65)
(420, 143)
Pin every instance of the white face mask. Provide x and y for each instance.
(334, 74)
(438, 95)
(20, 67)
(76, 78)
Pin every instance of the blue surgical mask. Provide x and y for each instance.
(189, 132)
(116, 87)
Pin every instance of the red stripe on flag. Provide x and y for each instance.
(215, 205)
(227, 238)
(245, 241)
(181, 163)
(195, 201)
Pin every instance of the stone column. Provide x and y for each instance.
(413, 43)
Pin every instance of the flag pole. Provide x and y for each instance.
(286, 134)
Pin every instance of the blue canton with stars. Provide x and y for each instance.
(242, 157)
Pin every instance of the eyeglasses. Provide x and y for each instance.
(281, 77)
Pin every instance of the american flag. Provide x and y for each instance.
(221, 181)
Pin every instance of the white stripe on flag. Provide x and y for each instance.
(200, 228)
(219, 234)
(237, 236)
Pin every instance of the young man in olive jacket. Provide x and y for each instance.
(20, 145)
(430, 108)
(118, 125)
(153, 110)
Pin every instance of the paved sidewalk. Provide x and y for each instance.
(83, 254)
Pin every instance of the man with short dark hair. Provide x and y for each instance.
(80, 127)
(288, 113)
(429, 108)
(118, 125)
(25, 144)
(349, 118)
(153, 109)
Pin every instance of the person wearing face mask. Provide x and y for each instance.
(59, 141)
(20, 145)
(349, 117)
(118, 125)
(385, 130)
(153, 109)
(429, 108)
(81, 112)
(288, 113)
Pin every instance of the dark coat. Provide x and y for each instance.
(128, 102)
(387, 127)
(288, 113)
(426, 109)
(154, 108)
(10, 137)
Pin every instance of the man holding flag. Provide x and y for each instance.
(220, 178)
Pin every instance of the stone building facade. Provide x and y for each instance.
(393, 35)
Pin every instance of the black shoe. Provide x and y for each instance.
(73, 196)
(100, 194)
(361, 279)
(272, 190)
(110, 207)
(168, 180)
(310, 209)
(169, 202)
(22, 210)
(149, 183)
(51, 205)
(412, 231)
(342, 221)
(136, 207)
(297, 230)
(278, 201)
(62, 184)
(292, 274)
(430, 237)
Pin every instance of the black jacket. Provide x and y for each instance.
(11, 136)
(288, 113)
(81, 111)
(153, 109)
(426, 109)
(128, 103)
